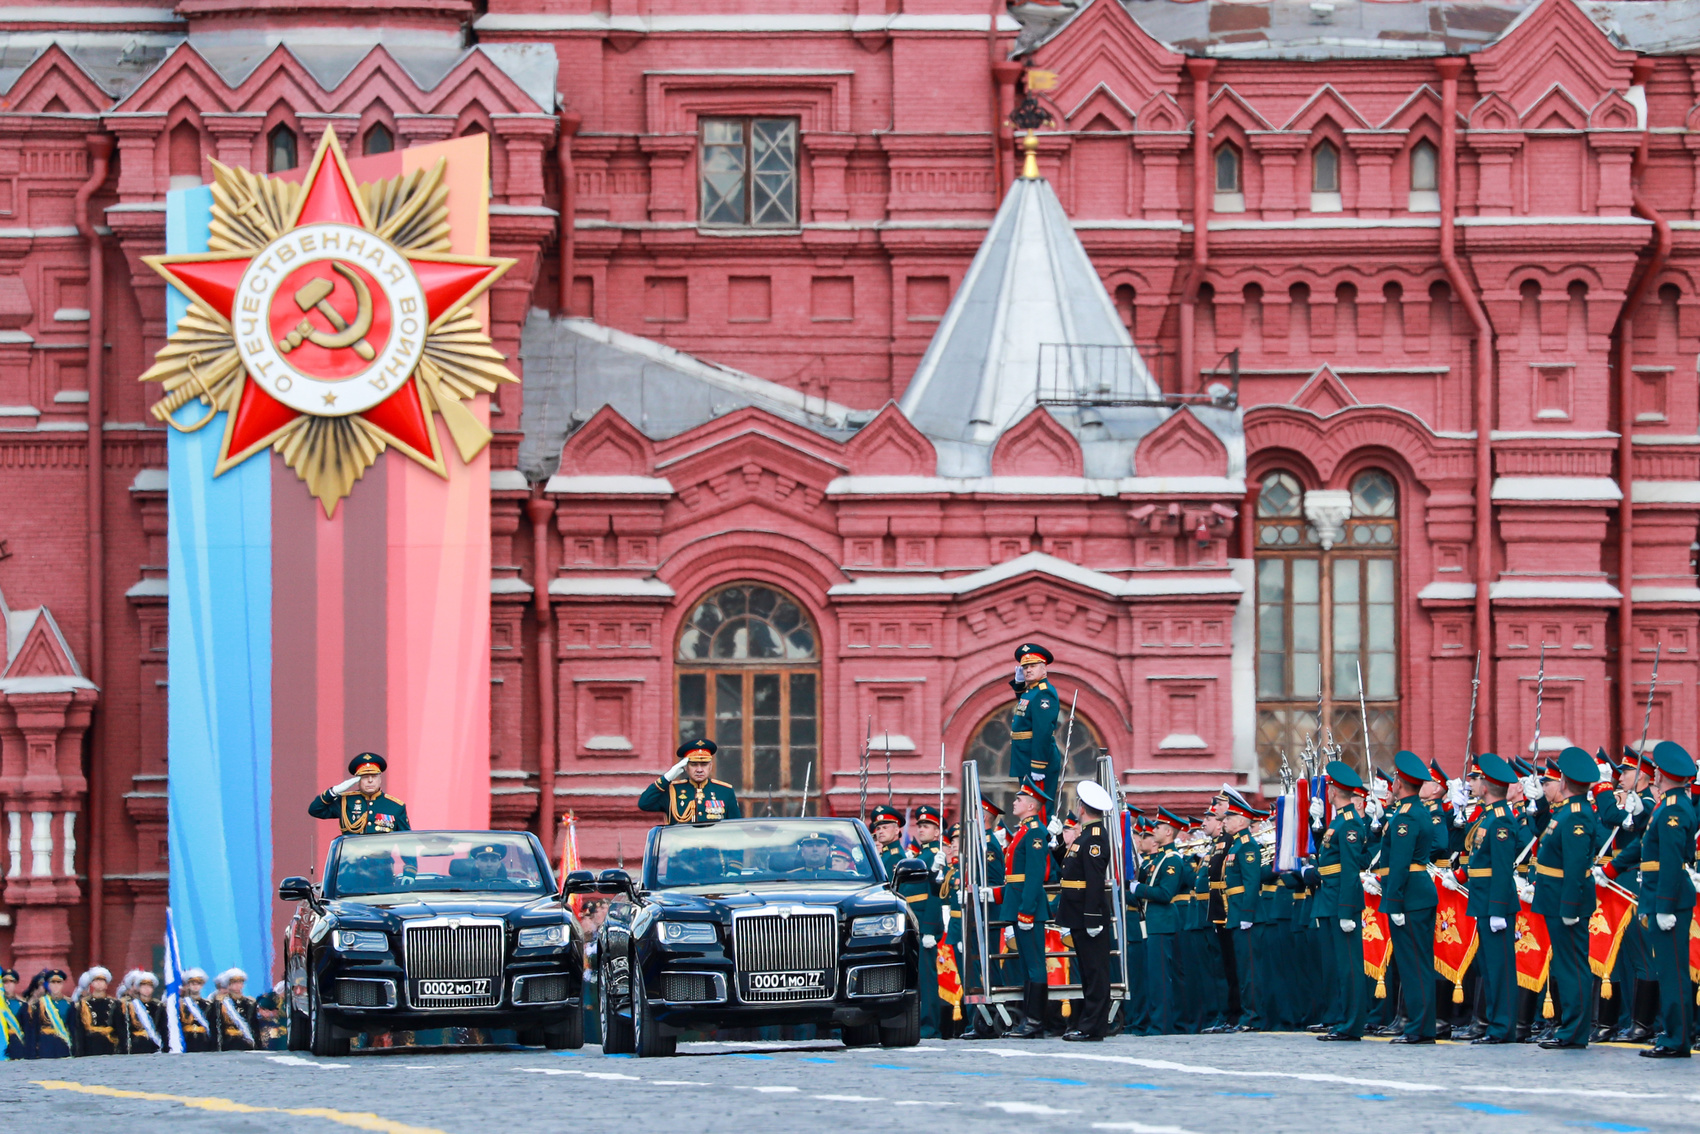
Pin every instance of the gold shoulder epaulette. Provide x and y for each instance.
(724, 784)
(393, 799)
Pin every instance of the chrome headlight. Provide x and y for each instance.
(542, 936)
(687, 932)
(361, 941)
(885, 925)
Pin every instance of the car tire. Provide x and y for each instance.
(616, 1031)
(567, 1035)
(861, 1035)
(647, 1039)
(907, 1031)
(324, 1040)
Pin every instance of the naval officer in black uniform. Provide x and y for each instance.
(1085, 910)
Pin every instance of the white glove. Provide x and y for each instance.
(939, 860)
(1526, 890)
(1600, 878)
(1316, 810)
(1245, 925)
(1397, 919)
(1094, 932)
(1371, 884)
(675, 771)
(928, 941)
(1347, 925)
(1374, 811)
(1055, 825)
(346, 786)
(1532, 788)
(1632, 806)
(1001, 834)
(1447, 879)
(1569, 920)
(986, 893)
(1667, 921)
(1497, 924)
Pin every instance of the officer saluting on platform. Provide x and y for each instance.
(1085, 910)
(359, 804)
(700, 798)
(1032, 731)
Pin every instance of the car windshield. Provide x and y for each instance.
(759, 850)
(453, 861)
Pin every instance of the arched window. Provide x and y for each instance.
(280, 149)
(1327, 610)
(1126, 299)
(748, 673)
(1425, 177)
(1325, 169)
(1227, 169)
(184, 155)
(379, 140)
(989, 748)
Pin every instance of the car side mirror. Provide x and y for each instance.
(578, 882)
(616, 882)
(910, 870)
(298, 890)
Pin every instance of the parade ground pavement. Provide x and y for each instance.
(1168, 1085)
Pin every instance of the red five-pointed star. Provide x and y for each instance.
(331, 196)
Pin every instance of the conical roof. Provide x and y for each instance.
(1031, 283)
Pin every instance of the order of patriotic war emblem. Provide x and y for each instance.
(330, 319)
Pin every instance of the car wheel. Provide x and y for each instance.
(907, 1031)
(647, 1039)
(616, 1031)
(861, 1035)
(567, 1035)
(324, 1041)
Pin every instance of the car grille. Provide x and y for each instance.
(877, 980)
(363, 993)
(801, 944)
(447, 961)
(540, 989)
(685, 988)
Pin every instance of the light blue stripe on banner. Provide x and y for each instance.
(221, 675)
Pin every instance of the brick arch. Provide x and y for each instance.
(1279, 459)
(54, 74)
(607, 445)
(1330, 442)
(890, 445)
(1037, 446)
(1181, 446)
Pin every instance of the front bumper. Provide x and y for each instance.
(731, 1008)
(395, 1012)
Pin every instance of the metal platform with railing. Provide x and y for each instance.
(1116, 374)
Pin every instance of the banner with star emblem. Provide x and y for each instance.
(319, 319)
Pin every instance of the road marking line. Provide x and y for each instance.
(772, 1090)
(358, 1120)
(297, 1061)
(580, 1074)
(1140, 1128)
(923, 1102)
(1319, 1077)
(848, 1098)
(1026, 1108)
(679, 1083)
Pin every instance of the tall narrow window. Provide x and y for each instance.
(1325, 179)
(1323, 618)
(748, 173)
(1230, 189)
(748, 672)
(280, 149)
(1425, 178)
(379, 140)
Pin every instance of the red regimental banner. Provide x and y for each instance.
(1454, 938)
(1378, 943)
(1613, 909)
(1533, 949)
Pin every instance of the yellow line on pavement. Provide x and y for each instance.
(358, 1120)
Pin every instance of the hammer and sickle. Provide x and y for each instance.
(314, 295)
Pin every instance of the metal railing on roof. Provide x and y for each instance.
(1089, 374)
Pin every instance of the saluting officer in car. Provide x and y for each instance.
(699, 798)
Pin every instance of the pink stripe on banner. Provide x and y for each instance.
(438, 597)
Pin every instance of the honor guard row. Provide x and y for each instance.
(50, 1021)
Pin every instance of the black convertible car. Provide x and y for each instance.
(416, 931)
(751, 922)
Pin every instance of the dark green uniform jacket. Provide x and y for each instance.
(1344, 853)
(1029, 858)
(1160, 879)
(361, 814)
(685, 802)
(1405, 840)
(1666, 848)
(1493, 846)
(1564, 881)
(1032, 737)
(1242, 870)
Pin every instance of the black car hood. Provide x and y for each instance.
(393, 909)
(721, 902)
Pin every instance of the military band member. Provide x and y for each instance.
(1025, 906)
(1087, 910)
(1340, 860)
(1564, 895)
(1408, 897)
(1665, 851)
(1161, 878)
(1032, 731)
(97, 1020)
(359, 803)
(11, 1016)
(698, 798)
(234, 1014)
(1242, 871)
(47, 1019)
(144, 1024)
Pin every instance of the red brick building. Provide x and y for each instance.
(1445, 248)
